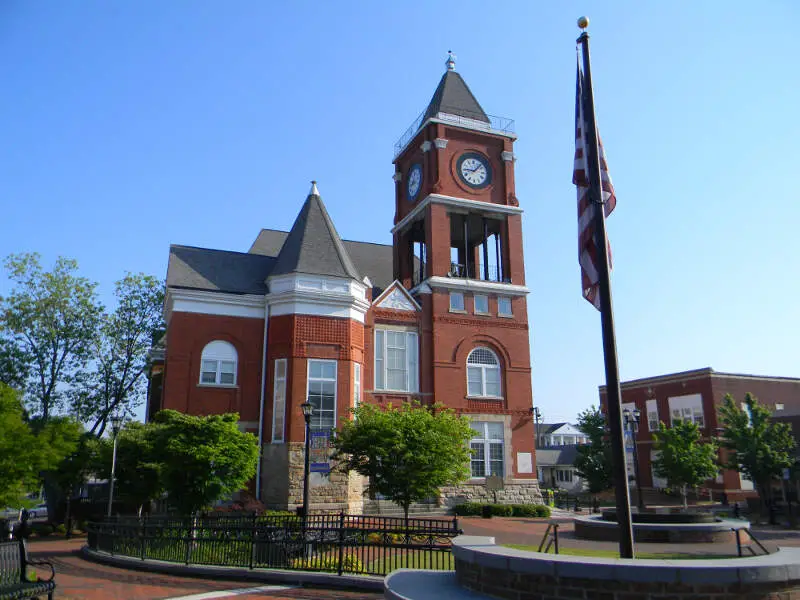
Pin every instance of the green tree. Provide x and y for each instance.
(52, 317)
(14, 363)
(683, 459)
(138, 472)
(116, 382)
(407, 453)
(593, 462)
(203, 458)
(756, 447)
(19, 450)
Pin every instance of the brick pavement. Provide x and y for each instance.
(81, 579)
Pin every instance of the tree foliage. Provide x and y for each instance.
(756, 447)
(407, 453)
(52, 317)
(593, 462)
(28, 449)
(683, 459)
(14, 363)
(138, 472)
(116, 381)
(202, 458)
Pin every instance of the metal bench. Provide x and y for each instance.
(14, 563)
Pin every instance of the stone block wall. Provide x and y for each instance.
(519, 491)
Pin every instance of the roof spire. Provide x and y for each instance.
(314, 191)
(450, 63)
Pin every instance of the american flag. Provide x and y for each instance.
(587, 247)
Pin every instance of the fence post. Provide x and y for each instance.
(555, 536)
(253, 541)
(143, 535)
(189, 539)
(341, 543)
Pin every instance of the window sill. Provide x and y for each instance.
(387, 391)
(492, 398)
(227, 386)
(459, 311)
(481, 313)
(505, 316)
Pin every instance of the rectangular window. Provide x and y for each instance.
(279, 401)
(504, 306)
(487, 447)
(778, 406)
(652, 415)
(356, 385)
(481, 304)
(396, 360)
(456, 301)
(688, 407)
(322, 393)
(209, 372)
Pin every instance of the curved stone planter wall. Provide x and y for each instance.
(595, 528)
(483, 567)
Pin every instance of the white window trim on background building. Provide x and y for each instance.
(482, 369)
(689, 407)
(482, 442)
(382, 362)
(652, 415)
(316, 418)
(279, 401)
(225, 361)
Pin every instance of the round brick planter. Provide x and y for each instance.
(598, 529)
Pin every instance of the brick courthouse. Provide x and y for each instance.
(437, 316)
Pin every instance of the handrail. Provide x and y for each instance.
(553, 538)
(752, 537)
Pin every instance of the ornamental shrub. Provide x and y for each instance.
(474, 509)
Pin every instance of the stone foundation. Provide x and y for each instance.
(282, 483)
(516, 491)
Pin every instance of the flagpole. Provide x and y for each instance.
(619, 470)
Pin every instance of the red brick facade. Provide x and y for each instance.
(712, 387)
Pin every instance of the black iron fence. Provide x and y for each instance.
(333, 543)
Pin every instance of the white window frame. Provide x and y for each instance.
(279, 387)
(483, 369)
(484, 439)
(381, 356)
(500, 300)
(220, 352)
(460, 296)
(356, 385)
(335, 381)
(651, 407)
(687, 408)
(485, 299)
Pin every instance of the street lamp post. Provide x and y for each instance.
(308, 411)
(537, 415)
(632, 423)
(116, 425)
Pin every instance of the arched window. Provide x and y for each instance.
(218, 364)
(483, 373)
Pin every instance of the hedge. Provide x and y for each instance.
(475, 509)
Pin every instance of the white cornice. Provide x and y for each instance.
(476, 285)
(487, 207)
(320, 295)
(213, 303)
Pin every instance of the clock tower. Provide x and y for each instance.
(457, 241)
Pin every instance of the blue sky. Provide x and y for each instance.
(128, 126)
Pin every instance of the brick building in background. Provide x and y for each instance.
(437, 316)
(697, 395)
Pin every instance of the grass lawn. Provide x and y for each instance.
(615, 554)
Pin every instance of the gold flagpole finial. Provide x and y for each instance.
(583, 22)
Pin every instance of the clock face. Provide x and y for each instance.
(414, 181)
(474, 170)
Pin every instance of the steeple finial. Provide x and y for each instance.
(450, 63)
(314, 191)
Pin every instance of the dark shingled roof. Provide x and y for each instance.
(556, 455)
(313, 246)
(452, 96)
(217, 270)
(373, 260)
